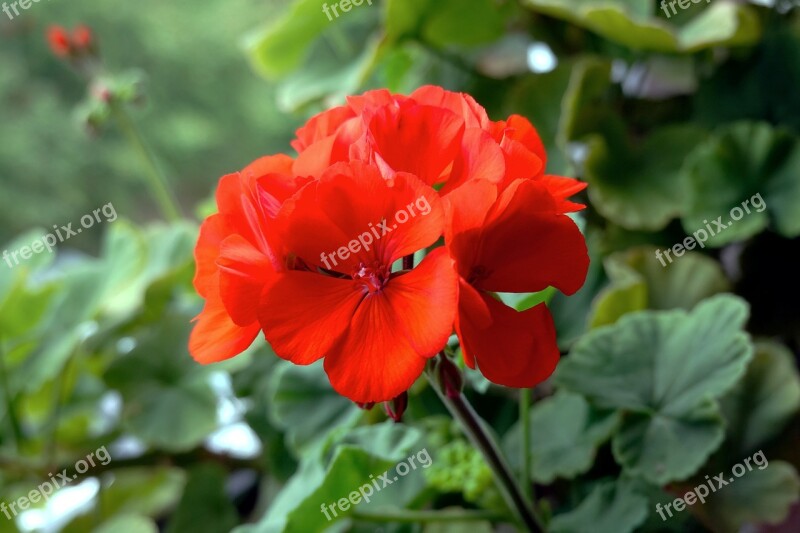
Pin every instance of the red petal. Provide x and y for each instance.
(527, 245)
(345, 209)
(394, 332)
(461, 104)
(305, 314)
(213, 231)
(321, 126)
(466, 209)
(515, 349)
(480, 158)
(243, 272)
(426, 300)
(215, 337)
(421, 140)
(562, 188)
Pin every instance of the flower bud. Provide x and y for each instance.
(82, 38)
(449, 377)
(396, 407)
(59, 41)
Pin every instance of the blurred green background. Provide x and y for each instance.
(673, 373)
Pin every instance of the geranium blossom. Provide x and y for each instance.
(284, 254)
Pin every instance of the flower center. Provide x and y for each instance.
(477, 274)
(374, 275)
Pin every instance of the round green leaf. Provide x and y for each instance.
(663, 368)
(565, 432)
(766, 164)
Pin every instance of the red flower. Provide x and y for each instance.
(517, 240)
(236, 254)
(82, 37)
(439, 136)
(59, 41)
(308, 250)
(375, 327)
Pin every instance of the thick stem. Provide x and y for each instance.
(156, 181)
(473, 427)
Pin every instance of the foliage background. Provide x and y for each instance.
(672, 373)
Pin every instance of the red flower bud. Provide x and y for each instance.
(82, 37)
(396, 407)
(449, 377)
(59, 41)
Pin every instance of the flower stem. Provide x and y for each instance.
(11, 405)
(156, 181)
(475, 430)
(524, 417)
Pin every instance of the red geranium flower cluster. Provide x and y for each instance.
(62, 44)
(318, 251)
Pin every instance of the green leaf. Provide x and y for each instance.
(298, 506)
(204, 505)
(639, 281)
(634, 181)
(159, 372)
(663, 369)
(633, 23)
(767, 163)
(760, 496)
(735, 91)
(129, 523)
(639, 186)
(442, 22)
(133, 491)
(662, 448)
(565, 432)
(611, 506)
(762, 403)
(283, 45)
(303, 403)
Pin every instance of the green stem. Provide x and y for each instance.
(524, 417)
(477, 433)
(11, 408)
(420, 517)
(58, 401)
(156, 181)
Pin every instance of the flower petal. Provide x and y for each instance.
(425, 298)
(408, 137)
(213, 231)
(215, 336)
(243, 273)
(305, 314)
(480, 158)
(352, 215)
(527, 245)
(515, 349)
(461, 104)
